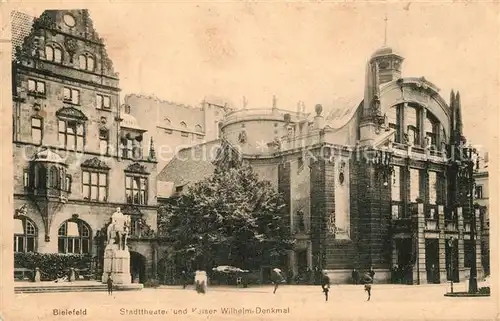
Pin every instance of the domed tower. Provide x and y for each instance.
(389, 64)
(384, 66)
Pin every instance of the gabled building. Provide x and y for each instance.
(78, 156)
(378, 183)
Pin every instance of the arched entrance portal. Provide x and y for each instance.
(137, 267)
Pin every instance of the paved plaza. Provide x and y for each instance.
(347, 302)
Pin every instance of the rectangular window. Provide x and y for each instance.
(136, 189)
(30, 244)
(94, 186)
(300, 164)
(72, 95)
(127, 148)
(103, 102)
(36, 86)
(36, 130)
(184, 134)
(71, 135)
(414, 185)
(479, 192)
(433, 187)
(396, 184)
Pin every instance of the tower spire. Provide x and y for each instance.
(385, 30)
(458, 119)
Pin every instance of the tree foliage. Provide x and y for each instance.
(230, 218)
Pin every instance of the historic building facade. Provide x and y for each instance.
(78, 156)
(176, 126)
(375, 185)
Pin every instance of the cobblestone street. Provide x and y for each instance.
(347, 302)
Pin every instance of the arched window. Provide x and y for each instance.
(74, 237)
(183, 124)
(198, 129)
(25, 235)
(86, 62)
(53, 53)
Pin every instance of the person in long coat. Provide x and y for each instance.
(277, 278)
(368, 281)
(325, 284)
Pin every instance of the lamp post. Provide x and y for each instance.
(467, 165)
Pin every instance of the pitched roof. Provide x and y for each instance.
(191, 164)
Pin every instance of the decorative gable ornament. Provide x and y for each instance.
(71, 113)
(95, 163)
(136, 168)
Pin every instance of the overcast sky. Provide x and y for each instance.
(310, 52)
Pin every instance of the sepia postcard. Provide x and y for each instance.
(246, 159)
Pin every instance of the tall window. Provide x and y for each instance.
(433, 187)
(414, 184)
(86, 62)
(413, 124)
(72, 134)
(126, 109)
(26, 178)
(36, 130)
(394, 118)
(74, 237)
(431, 128)
(396, 184)
(103, 102)
(136, 189)
(103, 141)
(127, 148)
(72, 95)
(54, 177)
(53, 54)
(94, 186)
(36, 86)
(25, 235)
(134, 226)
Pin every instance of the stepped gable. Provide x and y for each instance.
(51, 21)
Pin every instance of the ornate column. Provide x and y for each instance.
(442, 245)
(479, 263)
(419, 271)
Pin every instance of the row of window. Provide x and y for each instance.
(54, 53)
(73, 237)
(70, 95)
(435, 188)
(95, 185)
(197, 128)
(72, 135)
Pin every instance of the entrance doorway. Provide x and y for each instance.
(302, 267)
(451, 251)
(432, 260)
(137, 267)
(404, 248)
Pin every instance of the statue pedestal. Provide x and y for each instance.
(116, 262)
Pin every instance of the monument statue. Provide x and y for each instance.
(116, 253)
(118, 229)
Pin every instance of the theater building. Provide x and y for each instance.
(77, 155)
(372, 184)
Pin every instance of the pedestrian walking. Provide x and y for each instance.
(277, 278)
(325, 285)
(368, 280)
(110, 284)
(184, 279)
(355, 276)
